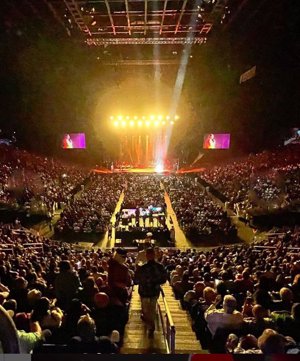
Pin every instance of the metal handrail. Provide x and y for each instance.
(163, 327)
(169, 330)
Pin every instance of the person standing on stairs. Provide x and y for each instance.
(150, 277)
(141, 257)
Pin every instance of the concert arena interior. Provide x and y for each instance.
(149, 178)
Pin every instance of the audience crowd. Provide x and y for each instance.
(91, 210)
(247, 292)
(241, 299)
(26, 178)
(78, 299)
(196, 212)
(268, 180)
(143, 191)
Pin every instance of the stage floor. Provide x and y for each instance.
(142, 170)
(149, 170)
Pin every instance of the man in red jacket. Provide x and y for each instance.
(118, 276)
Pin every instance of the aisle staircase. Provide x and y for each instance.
(136, 340)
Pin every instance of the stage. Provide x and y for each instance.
(148, 170)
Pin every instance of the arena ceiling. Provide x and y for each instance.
(115, 24)
(65, 52)
(119, 22)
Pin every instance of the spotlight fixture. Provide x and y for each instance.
(153, 121)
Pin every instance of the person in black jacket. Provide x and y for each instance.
(149, 277)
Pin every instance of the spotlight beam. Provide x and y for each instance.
(180, 16)
(183, 64)
(181, 72)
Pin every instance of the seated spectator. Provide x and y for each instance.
(260, 321)
(102, 315)
(198, 288)
(181, 287)
(49, 316)
(271, 342)
(244, 284)
(247, 345)
(296, 288)
(86, 340)
(87, 294)
(27, 341)
(289, 325)
(176, 275)
(227, 317)
(197, 313)
(76, 310)
(261, 295)
(19, 293)
(286, 300)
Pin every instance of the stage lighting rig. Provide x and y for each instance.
(151, 121)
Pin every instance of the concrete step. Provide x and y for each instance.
(135, 350)
(188, 350)
(136, 339)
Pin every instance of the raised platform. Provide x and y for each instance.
(150, 170)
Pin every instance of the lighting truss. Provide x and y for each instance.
(150, 41)
(73, 7)
(117, 22)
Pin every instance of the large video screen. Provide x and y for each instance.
(73, 141)
(216, 141)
